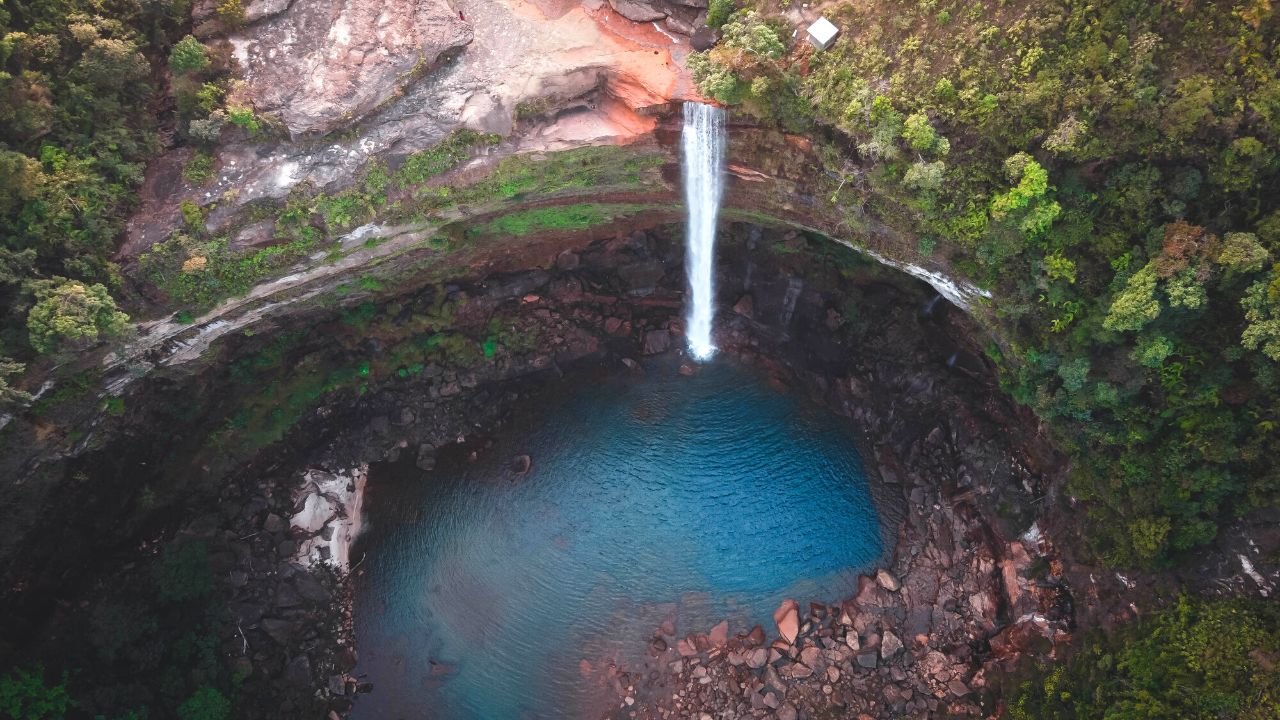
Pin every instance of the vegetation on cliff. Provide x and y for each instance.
(75, 132)
(1105, 169)
(1194, 660)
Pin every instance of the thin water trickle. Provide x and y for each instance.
(494, 596)
(703, 142)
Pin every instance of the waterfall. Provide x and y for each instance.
(703, 142)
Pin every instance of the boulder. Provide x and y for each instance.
(520, 464)
(686, 647)
(316, 511)
(656, 341)
(719, 634)
(887, 580)
(787, 618)
(637, 10)
(745, 307)
(568, 260)
(890, 645)
(298, 672)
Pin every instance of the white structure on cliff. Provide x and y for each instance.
(822, 33)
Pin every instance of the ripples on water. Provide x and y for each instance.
(491, 597)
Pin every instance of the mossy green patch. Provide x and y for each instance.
(558, 217)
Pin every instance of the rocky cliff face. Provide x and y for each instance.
(320, 64)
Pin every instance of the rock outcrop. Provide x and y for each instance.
(319, 64)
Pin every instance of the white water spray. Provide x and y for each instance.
(703, 142)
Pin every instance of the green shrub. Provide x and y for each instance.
(444, 156)
(24, 696)
(187, 56)
(243, 117)
(68, 311)
(718, 12)
(206, 704)
(199, 169)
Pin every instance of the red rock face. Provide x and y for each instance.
(325, 64)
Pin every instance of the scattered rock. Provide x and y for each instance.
(787, 618)
(887, 580)
(520, 464)
(568, 260)
(656, 341)
(298, 672)
(274, 524)
(719, 634)
(889, 645)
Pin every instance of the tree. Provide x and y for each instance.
(921, 136)
(1074, 374)
(188, 55)
(10, 395)
(925, 176)
(69, 310)
(1262, 310)
(1136, 304)
(1243, 252)
(24, 696)
(114, 65)
(1185, 291)
(718, 12)
(749, 32)
(1033, 183)
(1152, 352)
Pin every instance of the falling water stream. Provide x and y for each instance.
(703, 141)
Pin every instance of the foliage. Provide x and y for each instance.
(1107, 174)
(183, 574)
(206, 704)
(560, 217)
(10, 395)
(244, 117)
(24, 696)
(188, 55)
(199, 169)
(1262, 311)
(198, 274)
(1136, 305)
(73, 143)
(70, 311)
(718, 12)
(1198, 659)
(443, 156)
